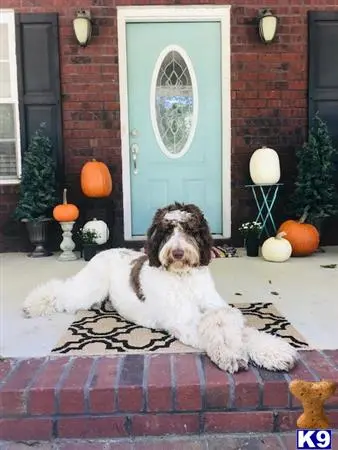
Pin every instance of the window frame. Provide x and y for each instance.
(7, 16)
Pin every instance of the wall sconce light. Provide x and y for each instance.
(267, 26)
(82, 25)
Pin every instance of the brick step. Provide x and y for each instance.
(252, 441)
(151, 395)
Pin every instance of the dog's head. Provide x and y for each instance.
(179, 238)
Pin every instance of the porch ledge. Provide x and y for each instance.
(150, 395)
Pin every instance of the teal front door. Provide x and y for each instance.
(175, 119)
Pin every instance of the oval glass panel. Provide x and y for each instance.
(174, 102)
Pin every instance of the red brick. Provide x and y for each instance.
(102, 389)
(333, 357)
(287, 420)
(246, 389)
(6, 365)
(91, 427)
(42, 398)
(161, 424)
(324, 370)
(217, 385)
(319, 364)
(130, 390)
(159, 389)
(332, 415)
(187, 383)
(299, 372)
(238, 422)
(275, 389)
(13, 392)
(71, 395)
(26, 429)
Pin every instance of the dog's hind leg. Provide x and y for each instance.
(87, 287)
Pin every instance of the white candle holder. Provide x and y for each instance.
(67, 245)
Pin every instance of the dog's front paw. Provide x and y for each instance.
(229, 361)
(36, 309)
(268, 351)
(281, 357)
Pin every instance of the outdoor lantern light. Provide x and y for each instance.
(267, 26)
(82, 25)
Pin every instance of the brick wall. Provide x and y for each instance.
(269, 97)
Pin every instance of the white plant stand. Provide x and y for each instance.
(67, 245)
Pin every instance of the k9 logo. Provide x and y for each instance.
(314, 439)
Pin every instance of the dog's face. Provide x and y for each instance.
(179, 238)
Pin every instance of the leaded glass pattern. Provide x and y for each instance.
(174, 102)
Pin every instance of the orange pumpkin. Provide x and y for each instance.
(96, 179)
(303, 237)
(66, 212)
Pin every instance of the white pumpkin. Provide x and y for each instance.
(276, 249)
(101, 229)
(264, 166)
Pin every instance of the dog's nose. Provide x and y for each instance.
(178, 253)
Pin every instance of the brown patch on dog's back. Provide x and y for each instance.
(135, 281)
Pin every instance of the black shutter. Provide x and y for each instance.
(37, 41)
(323, 68)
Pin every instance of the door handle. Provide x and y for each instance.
(134, 151)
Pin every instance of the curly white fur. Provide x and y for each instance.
(185, 304)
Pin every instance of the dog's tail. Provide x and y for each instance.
(90, 285)
(268, 351)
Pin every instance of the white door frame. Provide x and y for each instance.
(191, 13)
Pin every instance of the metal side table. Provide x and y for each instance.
(265, 196)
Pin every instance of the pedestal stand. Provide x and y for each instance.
(67, 245)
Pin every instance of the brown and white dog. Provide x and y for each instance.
(168, 288)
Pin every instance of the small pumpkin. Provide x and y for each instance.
(101, 229)
(96, 180)
(66, 212)
(303, 237)
(276, 249)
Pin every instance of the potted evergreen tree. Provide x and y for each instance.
(37, 196)
(315, 192)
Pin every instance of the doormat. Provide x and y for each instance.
(101, 330)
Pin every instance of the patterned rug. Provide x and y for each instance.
(102, 331)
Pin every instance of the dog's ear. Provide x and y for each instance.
(155, 235)
(201, 231)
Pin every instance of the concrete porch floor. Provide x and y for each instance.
(302, 290)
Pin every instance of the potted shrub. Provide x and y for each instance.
(37, 196)
(88, 243)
